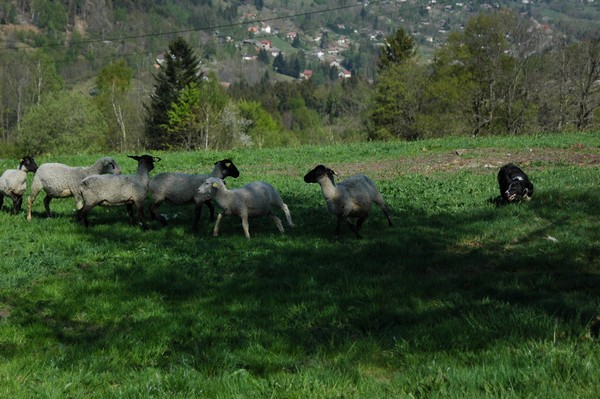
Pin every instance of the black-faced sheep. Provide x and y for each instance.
(182, 189)
(111, 190)
(61, 181)
(253, 199)
(350, 198)
(514, 184)
(13, 182)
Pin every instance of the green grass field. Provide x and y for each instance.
(459, 299)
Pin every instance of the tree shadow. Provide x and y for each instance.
(442, 281)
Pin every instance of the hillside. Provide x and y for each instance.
(85, 36)
(459, 299)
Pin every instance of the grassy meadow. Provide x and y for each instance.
(458, 299)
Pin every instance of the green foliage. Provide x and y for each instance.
(50, 15)
(180, 68)
(398, 101)
(296, 43)
(8, 12)
(205, 117)
(264, 130)
(63, 123)
(115, 77)
(396, 50)
(263, 56)
(479, 61)
(398, 91)
(183, 115)
(120, 110)
(34, 77)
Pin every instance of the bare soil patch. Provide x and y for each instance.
(478, 160)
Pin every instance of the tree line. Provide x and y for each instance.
(501, 74)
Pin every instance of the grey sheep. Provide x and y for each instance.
(182, 189)
(13, 182)
(61, 181)
(253, 199)
(350, 198)
(112, 190)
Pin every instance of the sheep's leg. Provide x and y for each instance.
(288, 215)
(82, 215)
(359, 224)
(47, 200)
(198, 212)
(211, 208)
(78, 200)
(154, 215)
(338, 226)
(130, 214)
(30, 200)
(35, 190)
(141, 216)
(216, 229)
(246, 226)
(16, 204)
(1, 200)
(356, 227)
(278, 223)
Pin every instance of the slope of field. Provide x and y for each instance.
(459, 298)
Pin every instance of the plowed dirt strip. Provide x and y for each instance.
(480, 160)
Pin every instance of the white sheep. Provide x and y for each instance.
(253, 199)
(112, 190)
(182, 189)
(61, 181)
(13, 182)
(350, 198)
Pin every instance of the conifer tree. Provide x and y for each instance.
(397, 49)
(180, 69)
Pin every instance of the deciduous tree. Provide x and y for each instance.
(113, 83)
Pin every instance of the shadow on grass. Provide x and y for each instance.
(451, 281)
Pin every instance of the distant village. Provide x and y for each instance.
(430, 29)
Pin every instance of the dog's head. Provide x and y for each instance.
(518, 189)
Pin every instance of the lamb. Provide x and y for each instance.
(111, 190)
(350, 198)
(61, 181)
(253, 199)
(182, 189)
(13, 182)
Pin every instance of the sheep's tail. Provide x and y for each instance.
(381, 204)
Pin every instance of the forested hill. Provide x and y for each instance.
(81, 74)
(98, 30)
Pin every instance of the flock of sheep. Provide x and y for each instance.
(103, 184)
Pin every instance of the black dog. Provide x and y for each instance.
(514, 184)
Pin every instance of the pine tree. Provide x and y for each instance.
(397, 49)
(180, 68)
(296, 42)
(279, 64)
